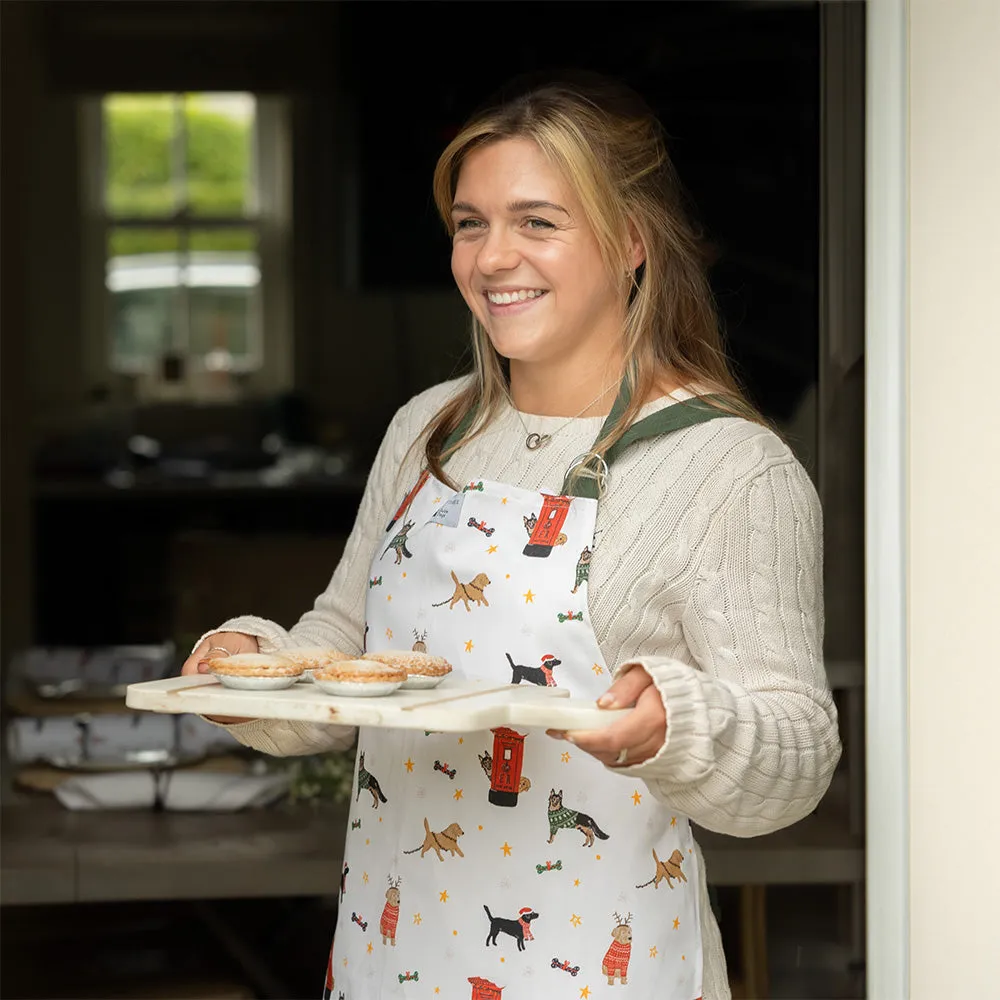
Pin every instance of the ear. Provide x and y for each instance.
(636, 248)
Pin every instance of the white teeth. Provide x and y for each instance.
(506, 298)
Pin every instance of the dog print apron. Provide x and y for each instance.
(506, 864)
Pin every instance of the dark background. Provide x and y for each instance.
(377, 89)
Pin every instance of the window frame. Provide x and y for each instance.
(270, 368)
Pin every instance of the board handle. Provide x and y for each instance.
(569, 715)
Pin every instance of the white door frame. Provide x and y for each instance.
(886, 688)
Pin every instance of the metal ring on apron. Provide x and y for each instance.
(602, 473)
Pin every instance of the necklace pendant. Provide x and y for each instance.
(534, 441)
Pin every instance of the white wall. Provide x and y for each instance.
(954, 497)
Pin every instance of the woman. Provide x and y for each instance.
(612, 510)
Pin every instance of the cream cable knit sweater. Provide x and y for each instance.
(707, 573)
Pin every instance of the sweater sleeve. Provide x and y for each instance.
(752, 738)
(337, 616)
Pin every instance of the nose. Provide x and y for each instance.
(497, 252)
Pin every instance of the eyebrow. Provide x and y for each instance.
(513, 207)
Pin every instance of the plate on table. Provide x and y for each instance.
(126, 760)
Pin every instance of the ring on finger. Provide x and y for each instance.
(221, 649)
(622, 756)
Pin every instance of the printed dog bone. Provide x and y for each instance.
(356, 918)
(570, 616)
(438, 766)
(549, 866)
(409, 977)
(565, 966)
(481, 526)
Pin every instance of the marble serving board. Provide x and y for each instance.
(454, 706)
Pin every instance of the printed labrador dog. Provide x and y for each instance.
(466, 592)
(519, 930)
(443, 840)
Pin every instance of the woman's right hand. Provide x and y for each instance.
(220, 644)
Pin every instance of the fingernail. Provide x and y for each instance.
(202, 667)
(556, 734)
(606, 701)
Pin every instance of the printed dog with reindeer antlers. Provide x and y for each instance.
(616, 958)
(390, 912)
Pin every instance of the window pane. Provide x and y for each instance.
(223, 279)
(219, 133)
(139, 154)
(143, 276)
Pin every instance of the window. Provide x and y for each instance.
(189, 229)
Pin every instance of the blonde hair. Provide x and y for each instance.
(611, 149)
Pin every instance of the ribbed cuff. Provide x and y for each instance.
(686, 754)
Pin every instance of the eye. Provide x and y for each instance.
(539, 225)
(465, 225)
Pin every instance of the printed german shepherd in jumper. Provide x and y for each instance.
(564, 818)
(542, 676)
(398, 544)
(368, 780)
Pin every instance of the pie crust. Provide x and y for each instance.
(414, 663)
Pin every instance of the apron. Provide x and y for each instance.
(506, 864)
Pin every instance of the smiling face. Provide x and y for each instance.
(528, 263)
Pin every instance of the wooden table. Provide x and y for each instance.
(52, 855)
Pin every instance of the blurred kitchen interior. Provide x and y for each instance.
(221, 274)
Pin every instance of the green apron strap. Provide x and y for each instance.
(459, 432)
(665, 421)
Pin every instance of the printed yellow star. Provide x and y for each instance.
(506, 849)
(597, 857)
(364, 877)
(673, 821)
(461, 740)
(380, 819)
(388, 633)
(491, 550)
(444, 896)
(597, 668)
(388, 597)
(503, 500)
(652, 952)
(529, 597)
(636, 797)
(368, 842)
(437, 499)
(454, 933)
(584, 993)
(468, 645)
(480, 826)
(437, 989)
(565, 757)
(677, 922)
(684, 958)
(345, 962)
(502, 959)
(507, 577)
(408, 764)
(417, 918)
(404, 576)
(575, 920)
(458, 794)
(369, 947)
(576, 882)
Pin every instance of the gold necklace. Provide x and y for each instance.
(533, 440)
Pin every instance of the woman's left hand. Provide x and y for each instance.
(640, 733)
